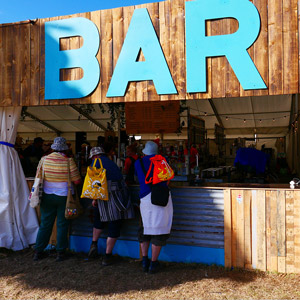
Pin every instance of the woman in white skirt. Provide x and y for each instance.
(157, 220)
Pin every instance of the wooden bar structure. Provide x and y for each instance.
(275, 54)
(262, 229)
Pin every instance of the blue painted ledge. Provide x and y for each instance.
(170, 253)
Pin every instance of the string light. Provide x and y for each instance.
(227, 118)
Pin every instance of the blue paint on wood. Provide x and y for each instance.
(170, 253)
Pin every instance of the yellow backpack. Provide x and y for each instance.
(95, 183)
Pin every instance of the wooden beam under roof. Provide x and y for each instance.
(216, 112)
(33, 117)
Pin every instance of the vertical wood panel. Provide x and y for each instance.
(96, 95)
(254, 226)
(35, 63)
(142, 86)
(281, 231)
(234, 194)
(275, 47)
(106, 50)
(273, 223)
(218, 65)
(8, 78)
(79, 72)
(232, 85)
(248, 236)
(240, 230)
(42, 63)
(268, 230)
(118, 39)
(290, 47)
(127, 15)
(179, 71)
(261, 46)
(25, 70)
(227, 227)
(290, 249)
(56, 101)
(247, 93)
(17, 63)
(153, 11)
(261, 225)
(297, 230)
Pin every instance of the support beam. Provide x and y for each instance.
(28, 114)
(216, 112)
(88, 117)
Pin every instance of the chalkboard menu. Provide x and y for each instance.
(152, 117)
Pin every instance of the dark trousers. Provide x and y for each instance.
(52, 206)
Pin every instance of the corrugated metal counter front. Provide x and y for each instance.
(197, 233)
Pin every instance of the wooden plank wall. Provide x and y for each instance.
(262, 229)
(275, 53)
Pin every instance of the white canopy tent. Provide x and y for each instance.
(18, 221)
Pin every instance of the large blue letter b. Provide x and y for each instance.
(84, 58)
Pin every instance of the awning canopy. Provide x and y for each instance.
(263, 115)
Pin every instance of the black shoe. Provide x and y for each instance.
(39, 255)
(60, 256)
(145, 264)
(93, 251)
(108, 260)
(154, 267)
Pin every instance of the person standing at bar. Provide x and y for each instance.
(106, 213)
(156, 220)
(56, 167)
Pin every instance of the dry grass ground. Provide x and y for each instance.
(77, 278)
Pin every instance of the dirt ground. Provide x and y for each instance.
(79, 278)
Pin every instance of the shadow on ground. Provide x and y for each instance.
(89, 276)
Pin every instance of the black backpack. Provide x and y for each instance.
(130, 175)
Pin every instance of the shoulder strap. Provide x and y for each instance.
(100, 162)
(143, 166)
(145, 173)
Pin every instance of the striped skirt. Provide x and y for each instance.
(119, 204)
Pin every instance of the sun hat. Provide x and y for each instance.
(59, 144)
(151, 148)
(95, 151)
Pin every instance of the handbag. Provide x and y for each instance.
(73, 206)
(95, 183)
(36, 193)
(159, 193)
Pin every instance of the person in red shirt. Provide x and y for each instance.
(132, 156)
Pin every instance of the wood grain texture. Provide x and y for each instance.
(275, 54)
(227, 227)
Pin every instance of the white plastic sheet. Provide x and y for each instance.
(18, 221)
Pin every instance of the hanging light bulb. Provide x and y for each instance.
(244, 120)
(260, 121)
(205, 114)
(273, 120)
(226, 118)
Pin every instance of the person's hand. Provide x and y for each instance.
(94, 203)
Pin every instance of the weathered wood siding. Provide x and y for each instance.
(275, 54)
(262, 229)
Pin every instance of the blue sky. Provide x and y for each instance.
(21, 10)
